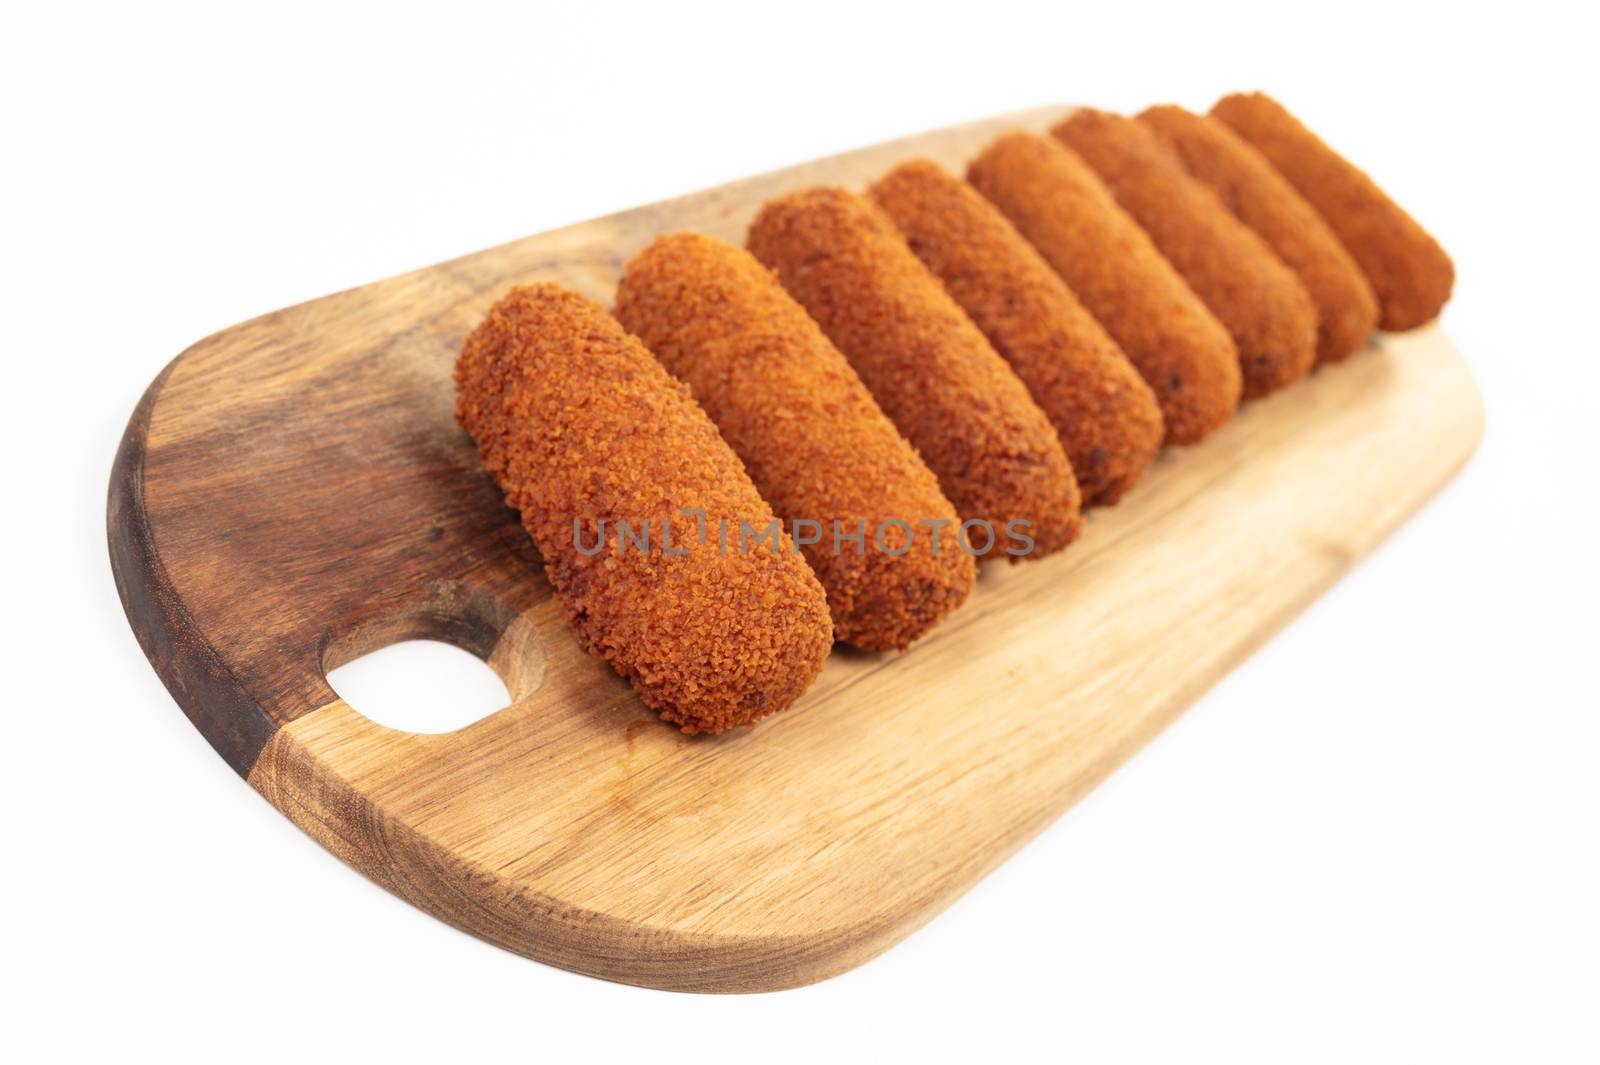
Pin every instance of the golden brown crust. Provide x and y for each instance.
(1408, 269)
(996, 455)
(1260, 197)
(1178, 347)
(1258, 298)
(575, 420)
(813, 440)
(1106, 415)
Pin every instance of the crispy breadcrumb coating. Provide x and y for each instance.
(1259, 299)
(813, 440)
(576, 421)
(1110, 264)
(1107, 417)
(1347, 308)
(994, 451)
(1408, 269)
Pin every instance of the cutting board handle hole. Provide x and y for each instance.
(435, 658)
(427, 686)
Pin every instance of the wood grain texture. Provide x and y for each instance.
(293, 493)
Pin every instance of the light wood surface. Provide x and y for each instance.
(293, 492)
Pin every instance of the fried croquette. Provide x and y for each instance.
(584, 430)
(1347, 308)
(1110, 264)
(813, 440)
(995, 453)
(1408, 269)
(1259, 299)
(1106, 415)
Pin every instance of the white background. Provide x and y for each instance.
(1377, 840)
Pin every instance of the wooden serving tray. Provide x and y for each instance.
(293, 493)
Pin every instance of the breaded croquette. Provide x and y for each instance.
(1347, 308)
(1106, 415)
(994, 451)
(1260, 300)
(1109, 263)
(813, 440)
(1408, 269)
(583, 430)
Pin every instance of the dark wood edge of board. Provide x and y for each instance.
(233, 722)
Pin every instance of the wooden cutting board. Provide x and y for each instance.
(293, 493)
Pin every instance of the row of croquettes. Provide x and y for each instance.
(902, 382)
